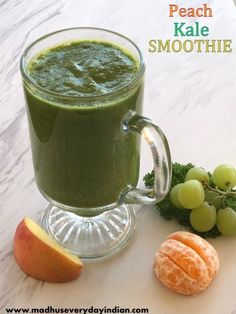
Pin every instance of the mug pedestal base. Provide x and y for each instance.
(90, 237)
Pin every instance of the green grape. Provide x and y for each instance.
(203, 218)
(213, 198)
(174, 196)
(226, 221)
(224, 176)
(197, 173)
(191, 194)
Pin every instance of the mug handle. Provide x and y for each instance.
(158, 144)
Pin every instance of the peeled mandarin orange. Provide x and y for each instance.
(186, 263)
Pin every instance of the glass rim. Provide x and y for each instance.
(28, 78)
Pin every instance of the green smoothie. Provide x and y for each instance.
(79, 96)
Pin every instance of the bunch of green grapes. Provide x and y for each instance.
(207, 202)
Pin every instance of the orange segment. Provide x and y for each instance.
(174, 278)
(201, 247)
(186, 258)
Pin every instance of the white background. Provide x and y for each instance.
(190, 96)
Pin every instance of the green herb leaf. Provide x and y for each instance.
(230, 202)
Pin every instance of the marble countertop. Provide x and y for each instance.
(190, 96)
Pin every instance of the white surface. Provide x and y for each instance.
(191, 97)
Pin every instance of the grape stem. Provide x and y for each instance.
(221, 193)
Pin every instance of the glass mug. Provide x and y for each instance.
(86, 153)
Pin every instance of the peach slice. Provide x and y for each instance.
(41, 257)
(186, 263)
